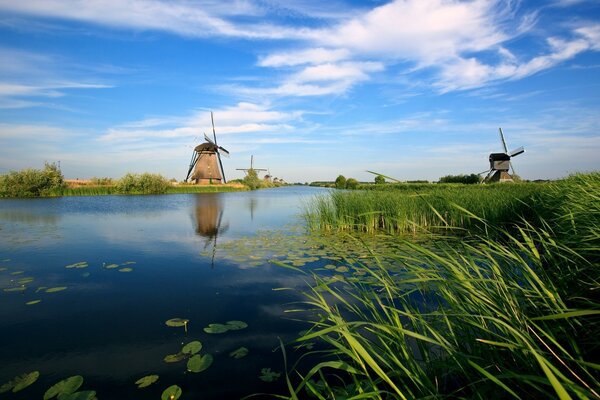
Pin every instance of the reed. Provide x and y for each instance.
(503, 313)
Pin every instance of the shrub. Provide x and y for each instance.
(351, 183)
(379, 179)
(101, 181)
(32, 182)
(145, 183)
(468, 179)
(252, 181)
(340, 182)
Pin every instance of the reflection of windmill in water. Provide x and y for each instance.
(206, 166)
(500, 163)
(208, 218)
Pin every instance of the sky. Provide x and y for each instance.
(412, 89)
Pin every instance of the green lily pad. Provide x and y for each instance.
(65, 387)
(239, 353)
(15, 289)
(146, 381)
(56, 289)
(236, 325)
(330, 266)
(192, 347)
(25, 281)
(176, 322)
(81, 264)
(199, 363)
(216, 328)
(111, 266)
(171, 393)
(128, 263)
(172, 358)
(268, 376)
(17, 272)
(126, 269)
(3, 269)
(84, 395)
(342, 269)
(20, 382)
(32, 302)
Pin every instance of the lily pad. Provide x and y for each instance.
(172, 358)
(146, 381)
(15, 289)
(199, 363)
(3, 269)
(32, 302)
(111, 266)
(17, 272)
(20, 382)
(171, 393)
(216, 328)
(176, 322)
(84, 395)
(128, 263)
(342, 269)
(236, 325)
(192, 347)
(56, 289)
(268, 376)
(126, 269)
(330, 266)
(65, 387)
(81, 264)
(25, 281)
(239, 353)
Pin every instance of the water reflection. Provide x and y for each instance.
(209, 220)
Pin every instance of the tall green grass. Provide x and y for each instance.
(428, 207)
(504, 313)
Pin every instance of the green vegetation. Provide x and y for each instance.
(379, 180)
(340, 182)
(466, 179)
(32, 182)
(508, 311)
(142, 184)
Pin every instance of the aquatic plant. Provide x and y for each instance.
(499, 313)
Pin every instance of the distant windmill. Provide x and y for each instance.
(246, 170)
(206, 166)
(500, 163)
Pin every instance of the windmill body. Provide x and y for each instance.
(205, 166)
(500, 164)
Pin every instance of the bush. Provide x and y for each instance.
(351, 183)
(32, 182)
(101, 181)
(252, 181)
(145, 183)
(379, 180)
(467, 179)
(340, 182)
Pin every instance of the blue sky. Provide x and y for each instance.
(414, 89)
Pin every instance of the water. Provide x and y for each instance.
(109, 325)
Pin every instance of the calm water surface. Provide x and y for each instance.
(109, 325)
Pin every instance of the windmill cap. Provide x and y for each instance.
(499, 157)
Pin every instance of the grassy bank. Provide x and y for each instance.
(501, 313)
(180, 189)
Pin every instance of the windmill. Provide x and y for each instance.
(247, 170)
(500, 163)
(206, 166)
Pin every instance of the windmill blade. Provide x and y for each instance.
(512, 170)
(503, 142)
(516, 152)
(193, 162)
(208, 139)
(221, 164)
(213, 126)
(225, 152)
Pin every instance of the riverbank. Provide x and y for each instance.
(86, 188)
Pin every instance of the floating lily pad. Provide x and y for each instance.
(176, 322)
(32, 302)
(20, 382)
(65, 387)
(111, 266)
(172, 358)
(81, 264)
(216, 328)
(146, 381)
(199, 363)
(342, 269)
(192, 347)
(17, 272)
(128, 263)
(126, 269)
(84, 395)
(330, 266)
(239, 353)
(268, 376)
(15, 289)
(171, 393)
(25, 281)
(56, 289)
(3, 269)
(236, 325)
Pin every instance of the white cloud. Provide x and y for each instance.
(319, 55)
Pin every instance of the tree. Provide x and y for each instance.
(466, 179)
(379, 179)
(351, 183)
(251, 180)
(32, 182)
(340, 182)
